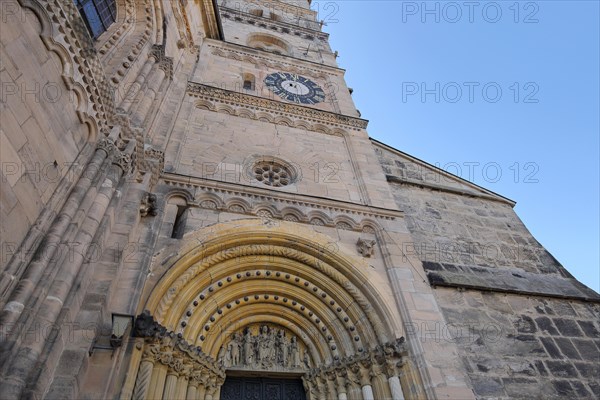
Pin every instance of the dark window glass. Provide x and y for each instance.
(97, 14)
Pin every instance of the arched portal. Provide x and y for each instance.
(267, 297)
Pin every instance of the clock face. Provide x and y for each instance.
(294, 88)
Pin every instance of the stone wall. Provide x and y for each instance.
(524, 327)
(40, 135)
(467, 236)
(524, 347)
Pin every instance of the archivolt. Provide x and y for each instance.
(254, 271)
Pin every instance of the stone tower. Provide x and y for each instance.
(193, 209)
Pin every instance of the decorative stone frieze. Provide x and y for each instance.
(277, 26)
(211, 97)
(358, 370)
(270, 349)
(233, 52)
(170, 349)
(290, 207)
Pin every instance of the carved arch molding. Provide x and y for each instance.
(250, 297)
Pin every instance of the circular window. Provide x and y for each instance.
(272, 173)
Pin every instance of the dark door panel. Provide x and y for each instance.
(238, 388)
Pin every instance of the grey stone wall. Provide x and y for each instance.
(521, 347)
(467, 236)
(524, 327)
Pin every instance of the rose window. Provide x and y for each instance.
(272, 174)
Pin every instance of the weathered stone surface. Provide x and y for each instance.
(525, 350)
(510, 281)
(144, 169)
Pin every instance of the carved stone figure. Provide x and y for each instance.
(294, 356)
(265, 346)
(306, 361)
(148, 206)
(366, 248)
(284, 349)
(248, 348)
(234, 350)
(271, 347)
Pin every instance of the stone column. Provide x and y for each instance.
(340, 381)
(21, 294)
(135, 87)
(68, 270)
(170, 384)
(365, 383)
(201, 393)
(142, 382)
(391, 365)
(211, 388)
(192, 390)
(330, 381)
(155, 80)
(144, 376)
(157, 382)
(183, 381)
(396, 388)
(321, 387)
(352, 383)
(203, 379)
(310, 388)
(133, 369)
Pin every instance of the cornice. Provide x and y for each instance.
(301, 116)
(226, 49)
(285, 200)
(476, 190)
(277, 26)
(301, 10)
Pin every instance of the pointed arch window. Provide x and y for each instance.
(98, 15)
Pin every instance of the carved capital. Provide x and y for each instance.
(124, 160)
(340, 381)
(364, 372)
(186, 369)
(106, 145)
(353, 377)
(166, 65)
(173, 351)
(151, 352)
(392, 367)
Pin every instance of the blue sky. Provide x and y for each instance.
(541, 133)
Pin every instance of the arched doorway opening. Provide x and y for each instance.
(253, 300)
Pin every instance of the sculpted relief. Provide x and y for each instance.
(264, 347)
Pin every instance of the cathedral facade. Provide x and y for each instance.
(192, 209)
